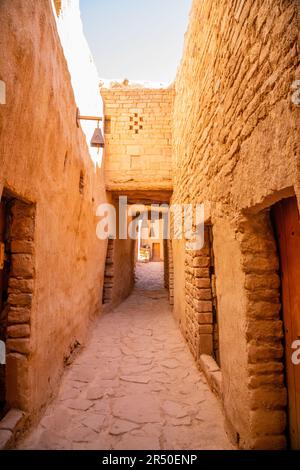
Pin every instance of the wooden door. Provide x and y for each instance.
(2, 282)
(156, 252)
(287, 223)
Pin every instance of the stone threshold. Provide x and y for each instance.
(9, 427)
(212, 373)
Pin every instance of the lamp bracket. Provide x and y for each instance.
(86, 118)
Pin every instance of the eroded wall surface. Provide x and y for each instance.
(45, 161)
(138, 139)
(236, 149)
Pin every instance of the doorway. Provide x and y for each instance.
(156, 252)
(287, 227)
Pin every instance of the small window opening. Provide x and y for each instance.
(81, 183)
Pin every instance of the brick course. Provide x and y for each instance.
(138, 146)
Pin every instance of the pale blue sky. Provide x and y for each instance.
(136, 39)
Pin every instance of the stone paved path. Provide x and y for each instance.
(149, 276)
(134, 386)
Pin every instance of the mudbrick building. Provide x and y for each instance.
(225, 135)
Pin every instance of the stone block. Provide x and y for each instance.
(19, 315)
(202, 305)
(208, 364)
(264, 330)
(202, 294)
(17, 381)
(205, 345)
(201, 262)
(205, 318)
(205, 329)
(22, 266)
(134, 150)
(18, 331)
(273, 380)
(264, 422)
(22, 228)
(22, 246)
(267, 398)
(20, 300)
(202, 283)
(264, 281)
(257, 353)
(22, 210)
(268, 295)
(263, 310)
(21, 285)
(201, 272)
(19, 345)
(259, 264)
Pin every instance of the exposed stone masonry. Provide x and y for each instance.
(109, 273)
(138, 147)
(264, 331)
(21, 288)
(199, 310)
(216, 345)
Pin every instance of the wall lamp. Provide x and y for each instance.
(97, 139)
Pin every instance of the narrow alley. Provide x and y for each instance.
(149, 226)
(142, 392)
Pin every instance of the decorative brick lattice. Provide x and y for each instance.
(136, 123)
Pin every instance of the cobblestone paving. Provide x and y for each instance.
(134, 386)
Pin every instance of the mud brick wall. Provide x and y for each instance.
(45, 166)
(236, 149)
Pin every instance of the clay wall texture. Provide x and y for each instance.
(226, 135)
(236, 149)
(45, 161)
(123, 262)
(138, 146)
